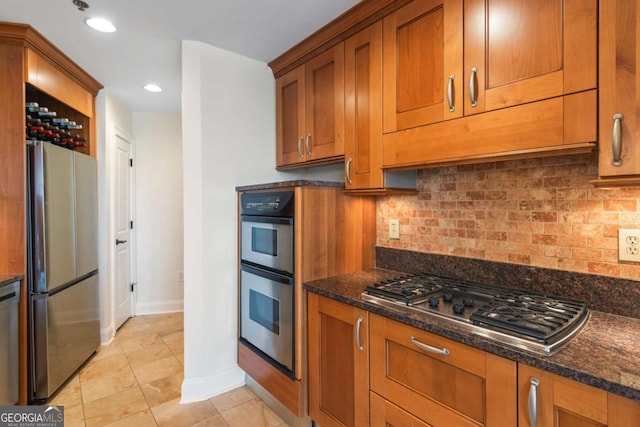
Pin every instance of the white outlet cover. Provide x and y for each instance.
(629, 245)
(394, 229)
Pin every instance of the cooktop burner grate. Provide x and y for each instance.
(526, 319)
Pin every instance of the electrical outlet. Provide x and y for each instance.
(629, 245)
(394, 228)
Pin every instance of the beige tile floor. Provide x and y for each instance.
(136, 380)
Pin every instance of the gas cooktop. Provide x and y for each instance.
(523, 319)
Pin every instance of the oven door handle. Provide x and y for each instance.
(430, 349)
(276, 220)
(270, 275)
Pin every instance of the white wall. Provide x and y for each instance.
(109, 112)
(158, 221)
(228, 122)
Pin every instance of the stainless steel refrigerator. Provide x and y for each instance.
(64, 316)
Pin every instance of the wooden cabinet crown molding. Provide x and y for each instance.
(360, 16)
(26, 36)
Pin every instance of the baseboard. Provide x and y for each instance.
(107, 334)
(199, 389)
(159, 307)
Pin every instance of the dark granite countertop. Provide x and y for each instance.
(7, 279)
(604, 354)
(295, 183)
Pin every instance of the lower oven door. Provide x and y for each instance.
(266, 315)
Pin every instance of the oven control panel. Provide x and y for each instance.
(278, 203)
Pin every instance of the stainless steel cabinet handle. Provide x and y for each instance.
(452, 107)
(617, 139)
(347, 170)
(120, 242)
(307, 144)
(358, 324)
(425, 347)
(300, 153)
(533, 397)
(472, 87)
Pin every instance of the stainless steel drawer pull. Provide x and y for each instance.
(473, 95)
(533, 398)
(452, 106)
(347, 171)
(358, 324)
(307, 144)
(300, 153)
(617, 139)
(425, 347)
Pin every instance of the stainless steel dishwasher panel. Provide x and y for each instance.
(9, 299)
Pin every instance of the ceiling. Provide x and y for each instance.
(147, 46)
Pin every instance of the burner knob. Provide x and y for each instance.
(468, 302)
(447, 297)
(458, 308)
(433, 302)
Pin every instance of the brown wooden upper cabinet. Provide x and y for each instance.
(471, 80)
(449, 58)
(363, 109)
(520, 51)
(619, 85)
(422, 64)
(310, 111)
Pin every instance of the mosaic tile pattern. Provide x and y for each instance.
(540, 212)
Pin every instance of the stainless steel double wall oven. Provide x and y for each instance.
(267, 291)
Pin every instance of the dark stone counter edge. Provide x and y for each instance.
(481, 343)
(295, 183)
(9, 279)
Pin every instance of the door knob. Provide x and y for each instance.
(120, 242)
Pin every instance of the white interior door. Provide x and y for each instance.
(123, 239)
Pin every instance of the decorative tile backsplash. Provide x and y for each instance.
(541, 212)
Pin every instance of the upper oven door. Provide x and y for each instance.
(268, 241)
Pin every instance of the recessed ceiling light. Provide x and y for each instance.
(100, 24)
(153, 88)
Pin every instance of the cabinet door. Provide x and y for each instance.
(520, 51)
(363, 109)
(623, 412)
(338, 363)
(324, 78)
(290, 117)
(619, 86)
(422, 57)
(443, 382)
(554, 401)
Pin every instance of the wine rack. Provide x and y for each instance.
(49, 119)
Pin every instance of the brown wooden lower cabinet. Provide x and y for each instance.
(366, 369)
(386, 414)
(549, 400)
(338, 363)
(440, 381)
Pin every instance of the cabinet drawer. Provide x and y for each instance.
(439, 380)
(384, 413)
